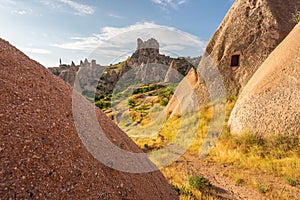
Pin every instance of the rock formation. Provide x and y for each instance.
(269, 104)
(68, 72)
(250, 31)
(184, 93)
(42, 155)
(146, 65)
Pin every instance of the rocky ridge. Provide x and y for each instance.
(146, 65)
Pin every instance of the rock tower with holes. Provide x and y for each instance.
(250, 31)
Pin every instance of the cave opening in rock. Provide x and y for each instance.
(235, 61)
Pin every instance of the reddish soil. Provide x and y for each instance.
(41, 155)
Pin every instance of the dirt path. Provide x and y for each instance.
(227, 188)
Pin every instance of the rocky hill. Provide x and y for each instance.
(68, 72)
(270, 102)
(42, 154)
(250, 31)
(146, 65)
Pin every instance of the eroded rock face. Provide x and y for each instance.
(68, 72)
(42, 155)
(269, 104)
(250, 31)
(184, 99)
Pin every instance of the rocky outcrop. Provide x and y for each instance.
(250, 31)
(184, 98)
(69, 72)
(270, 102)
(146, 65)
(42, 154)
(248, 34)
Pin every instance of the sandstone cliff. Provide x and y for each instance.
(270, 102)
(250, 31)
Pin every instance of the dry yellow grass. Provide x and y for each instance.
(277, 156)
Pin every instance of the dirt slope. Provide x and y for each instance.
(270, 102)
(41, 155)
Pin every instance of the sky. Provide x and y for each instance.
(107, 30)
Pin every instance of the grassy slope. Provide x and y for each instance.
(278, 156)
(255, 157)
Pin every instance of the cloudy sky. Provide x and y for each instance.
(106, 30)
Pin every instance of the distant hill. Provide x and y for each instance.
(146, 65)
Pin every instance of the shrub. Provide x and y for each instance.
(199, 182)
(262, 188)
(176, 188)
(290, 181)
(164, 102)
(103, 104)
(99, 97)
(131, 102)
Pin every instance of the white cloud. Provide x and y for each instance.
(22, 12)
(115, 16)
(170, 3)
(81, 8)
(35, 50)
(112, 42)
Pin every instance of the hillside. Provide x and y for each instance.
(146, 65)
(42, 154)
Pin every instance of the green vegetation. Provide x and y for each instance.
(131, 102)
(103, 102)
(196, 187)
(147, 88)
(199, 182)
(290, 181)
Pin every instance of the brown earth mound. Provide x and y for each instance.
(270, 102)
(41, 155)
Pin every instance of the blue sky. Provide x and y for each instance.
(48, 30)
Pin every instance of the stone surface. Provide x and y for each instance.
(251, 30)
(184, 98)
(270, 102)
(41, 153)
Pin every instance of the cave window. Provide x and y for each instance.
(235, 61)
